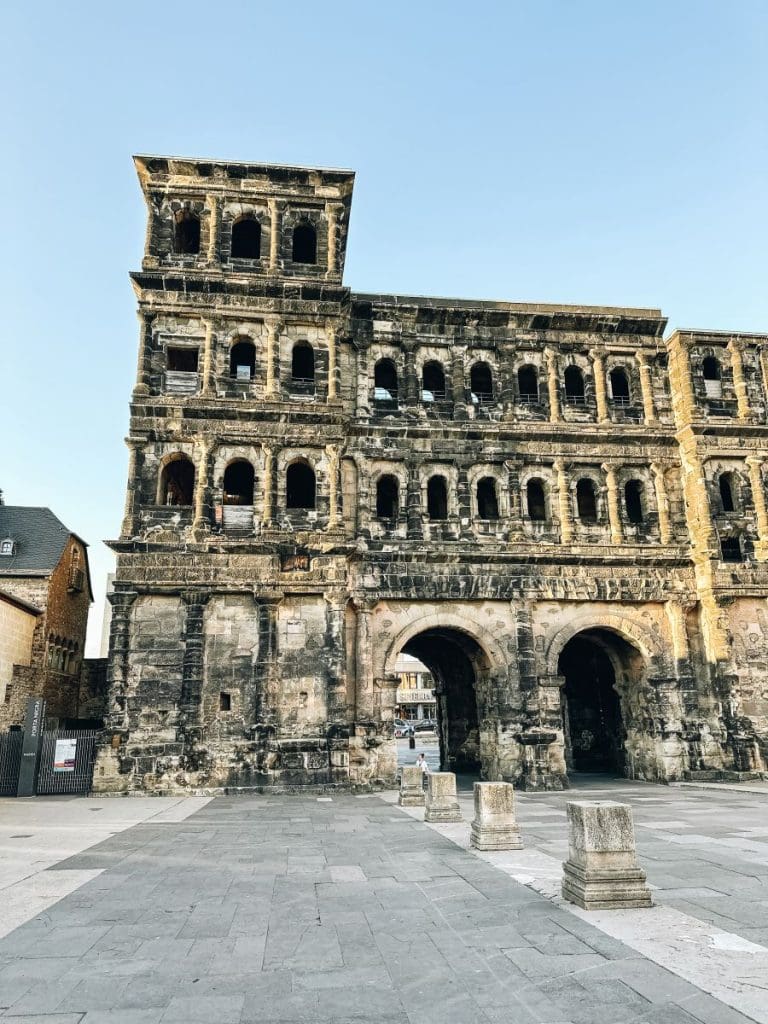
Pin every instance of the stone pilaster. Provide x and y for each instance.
(614, 514)
(665, 532)
(755, 467)
(330, 332)
(202, 520)
(332, 451)
(334, 211)
(646, 388)
(192, 668)
(119, 648)
(553, 385)
(146, 322)
(268, 509)
(266, 711)
(598, 372)
(364, 693)
(413, 502)
(563, 503)
(272, 379)
(214, 224)
(739, 383)
(275, 226)
(132, 514)
(208, 358)
(457, 382)
(410, 385)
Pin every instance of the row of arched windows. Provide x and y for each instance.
(177, 483)
(242, 361)
(246, 238)
(483, 389)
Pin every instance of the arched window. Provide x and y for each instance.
(537, 504)
(710, 367)
(300, 486)
(238, 483)
(246, 239)
(432, 382)
(304, 244)
(177, 482)
(487, 499)
(727, 492)
(619, 386)
(481, 382)
(528, 385)
(385, 381)
(303, 363)
(387, 497)
(713, 383)
(242, 360)
(586, 500)
(437, 498)
(633, 500)
(186, 235)
(574, 385)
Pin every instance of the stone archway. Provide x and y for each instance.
(463, 667)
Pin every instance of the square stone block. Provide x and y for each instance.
(494, 826)
(442, 803)
(411, 790)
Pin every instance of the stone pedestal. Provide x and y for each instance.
(442, 804)
(494, 827)
(602, 872)
(411, 791)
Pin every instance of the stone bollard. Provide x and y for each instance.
(411, 789)
(494, 827)
(602, 872)
(442, 804)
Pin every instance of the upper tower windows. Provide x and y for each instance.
(246, 239)
(304, 249)
(186, 235)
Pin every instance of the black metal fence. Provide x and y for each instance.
(65, 765)
(10, 761)
(66, 761)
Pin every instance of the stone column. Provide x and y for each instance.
(146, 321)
(201, 520)
(614, 515)
(208, 359)
(119, 649)
(563, 503)
(739, 383)
(267, 696)
(413, 502)
(602, 872)
(553, 386)
(646, 388)
(192, 667)
(364, 695)
(332, 452)
(442, 804)
(598, 371)
(275, 225)
(272, 380)
(495, 827)
(332, 372)
(214, 220)
(411, 787)
(132, 515)
(763, 359)
(755, 466)
(334, 209)
(268, 509)
(410, 384)
(457, 382)
(665, 532)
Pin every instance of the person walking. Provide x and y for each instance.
(421, 762)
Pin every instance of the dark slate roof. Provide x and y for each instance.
(39, 539)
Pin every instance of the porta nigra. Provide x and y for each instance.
(559, 509)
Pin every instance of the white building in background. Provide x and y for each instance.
(106, 621)
(415, 691)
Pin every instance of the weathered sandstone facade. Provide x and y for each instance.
(561, 513)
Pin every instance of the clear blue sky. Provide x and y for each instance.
(553, 150)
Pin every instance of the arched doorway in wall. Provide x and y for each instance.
(602, 671)
(456, 663)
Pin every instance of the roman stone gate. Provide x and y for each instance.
(562, 512)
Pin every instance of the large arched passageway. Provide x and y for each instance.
(457, 663)
(602, 684)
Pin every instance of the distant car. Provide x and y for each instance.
(425, 725)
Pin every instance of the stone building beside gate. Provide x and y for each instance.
(558, 510)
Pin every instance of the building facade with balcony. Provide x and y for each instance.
(557, 509)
